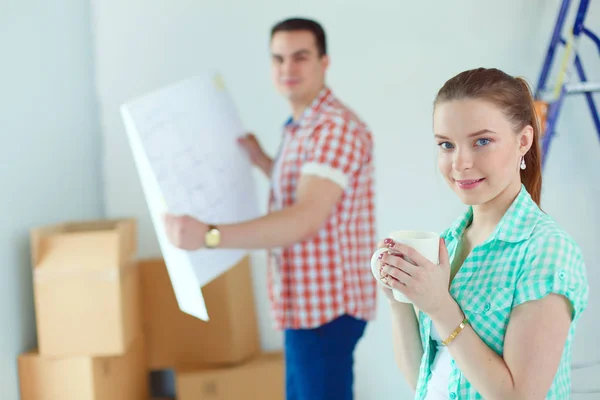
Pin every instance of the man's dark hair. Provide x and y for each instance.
(302, 24)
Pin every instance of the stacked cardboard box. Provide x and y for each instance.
(215, 360)
(106, 320)
(88, 314)
(258, 379)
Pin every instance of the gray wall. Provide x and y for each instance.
(51, 146)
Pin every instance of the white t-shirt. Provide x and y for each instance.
(437, 387)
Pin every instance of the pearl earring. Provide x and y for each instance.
(523, 166)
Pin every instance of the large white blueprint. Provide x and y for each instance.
(184, 142)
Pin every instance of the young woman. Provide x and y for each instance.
(497, 316)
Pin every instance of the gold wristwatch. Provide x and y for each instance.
(212, 238)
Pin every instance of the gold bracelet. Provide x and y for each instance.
(458, 330)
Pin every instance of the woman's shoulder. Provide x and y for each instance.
(552, 254)
(548, 238)
(551, 262)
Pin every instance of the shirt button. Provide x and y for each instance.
(561, 275)
(452, 395)
(487, 307)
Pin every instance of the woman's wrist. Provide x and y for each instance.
(448, 317)
(400, 307)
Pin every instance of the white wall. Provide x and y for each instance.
(50, 163)
(389, 58)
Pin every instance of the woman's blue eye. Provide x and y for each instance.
(445, 145)
(482, 142)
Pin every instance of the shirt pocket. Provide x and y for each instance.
(488, 313)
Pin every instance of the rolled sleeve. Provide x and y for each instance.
(555, 265)
(336, 152)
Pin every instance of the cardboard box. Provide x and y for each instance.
(261, 378)
(86, 288)
(177, 339)
(85, 378)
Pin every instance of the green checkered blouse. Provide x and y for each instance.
(527, 257)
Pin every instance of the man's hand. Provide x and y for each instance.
(185, 232)
(258, 157)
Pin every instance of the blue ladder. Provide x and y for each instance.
(550, 109)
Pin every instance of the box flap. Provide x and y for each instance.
(86, 245)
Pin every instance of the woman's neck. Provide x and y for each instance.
(487, 216)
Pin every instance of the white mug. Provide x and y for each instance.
(425, 243)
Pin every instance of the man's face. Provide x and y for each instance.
(298, 71)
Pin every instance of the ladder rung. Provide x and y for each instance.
(572, 88)
(582, 87)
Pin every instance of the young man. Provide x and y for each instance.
(320, 229)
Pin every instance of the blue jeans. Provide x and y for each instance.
(319, 362)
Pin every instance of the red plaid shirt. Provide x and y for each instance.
(317, 280)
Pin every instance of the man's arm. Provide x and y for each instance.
(257, 155)
(335, 154)
(316, 199)
(266, 166)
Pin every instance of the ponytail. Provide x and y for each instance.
(531, 176)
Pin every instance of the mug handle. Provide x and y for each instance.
(375, 266)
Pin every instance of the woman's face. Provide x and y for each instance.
(479, 152)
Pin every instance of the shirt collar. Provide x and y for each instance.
(313, 110)
(516, 225)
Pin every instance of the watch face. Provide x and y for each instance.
(212, 238)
